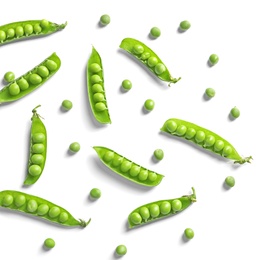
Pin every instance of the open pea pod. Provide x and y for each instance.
(149, 58)
(204, 138)
(31, 80)
(27, 29)
(39, 207)
(161, 209)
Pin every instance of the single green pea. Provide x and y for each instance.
(95, 68)
(160, 68)
(191, 132)
(14, 89)
(121, 250)
(105, 19)
(126, 84)
(67, 104)
(63, 217)
(37, 28)
(7, 200)
(19, 31)
(189, 233)
(227, 150)
(38, 138)
(159, 154)
(176, 205)
(185, 25)
(230, 181)
(9, 76)
(149, 104)
(96, 79)
(49, 243)
(95, 193)
(165, 207)
(54, 212)
(136, 218)
(210, 92)
(213, 59)
(154, 210)
(51, 65)
(44, 23)
(19, 200)
(152, 176)
(2, 36)
(144, 212)
(200, 136)
(152, 61)
(10, 33)
(108, 156)
(181, 130)
(74, 147)
(117, 160)
(219, 144)
(37, 159)
(97, 88)
(125, 166)
(35, 79)
(209, 141)
(35, 170)
(171, 126)
(23, 84)
(143, 175)
(145, 56)
(28, 29)
(31, 206)
(98, 97)
(42, 209)
(43, 71)
(138, 49)
(38, 148)
(155, 32)
(235, 112)
(100, 106)
(134, 170)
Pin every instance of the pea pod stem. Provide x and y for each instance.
(244, 160)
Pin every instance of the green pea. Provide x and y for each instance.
(38, 148)
(165, 207)
(121, 250)
(117, 160)
(14, 89)
(54, 212)
(126, 84)
(160, 68)
(125, 166)
(159, 154)
(10, 33)
(67, 104)
(96, 88)
(37, 28)
(38, 138)
(152, 176)
(235, 112)
(19, 31)
(98, 97)
(42, 209)
(2, 36)
(35, 79)
(105, 19)
(138, 49)
(95, 67)
(152, 61)
(49, 243)
(181, 130)
(63, 217)
(213, 59)
(9, 76)
(108, 156)
(219, 144)
(28, 29)
(7, 200)
(134, 170)
(136, 218)
(37, 159)
(145, 56)
(100, 106)
(210, 92)
(43, 71)
(154, 210)
(95, 193)
(149, 104)
(171, 126)
(209, 141)
(23, 84)
(143, 175)
(74, 147)
(189, 233)
(51, 65)
(230, 181)
(35, 170)
(144, 212)
(191, 132)
(176, 205)
(185, 25)
(44, 23)
(96, 79)
(19, 200)
(200, 136)
(227, 150)
(31, 206)
(155, 32)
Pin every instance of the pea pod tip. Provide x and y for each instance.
(83, 223)
(244, 160)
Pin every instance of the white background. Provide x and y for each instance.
(227, 223)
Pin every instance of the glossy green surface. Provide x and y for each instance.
(159, 154)
(126, 84)
(189, 233)
(95, 193)
(32, 204)
(67, 104)
(212, 141)
(132, 46)
(9, 76)
(155, 32)
(49, 243)
(210, 92)
(27, 83)
(213, 59)
(161, 209)
(149, 104)
(185, 25)
(126, 168)
(230, 181)
(105, 19)
(99, 108)
(235, 112)
(121, 250)
(37, 158)
(74, 147)
(27, 29)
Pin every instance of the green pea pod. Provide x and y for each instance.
(39, 207)
(159, 210)
(95, 87)
(149, 58)
(27, 29)
(203, 138)
(38, 149)
(31, 80)
(126, 168)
